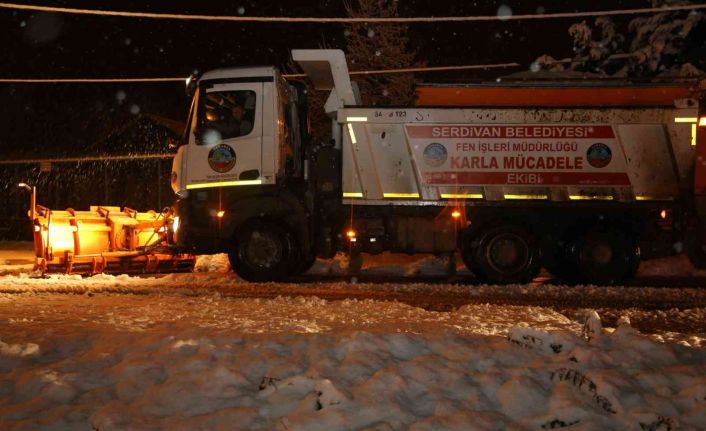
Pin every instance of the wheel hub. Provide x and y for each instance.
(601, 253)
(507, 253)
(263, 250)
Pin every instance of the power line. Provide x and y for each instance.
(113, 157)
(348, 20)
(84, 80)
(287, 76)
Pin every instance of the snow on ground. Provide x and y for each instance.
(16, 257)
(202, 351)
(114, 362)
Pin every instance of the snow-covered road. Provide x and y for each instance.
(209, 351)
(174, 360)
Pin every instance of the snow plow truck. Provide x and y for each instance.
(582, 179)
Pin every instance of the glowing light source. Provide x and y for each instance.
(224, 184)
(590, 198)
(175, 224)
(456, 214)
(356, 119)
(352, 133)
(401, 195)
(220, 214)
(461, 196)
(352, 194)
(350, 233)
(663, 214)
(526, 196)
(693, 120)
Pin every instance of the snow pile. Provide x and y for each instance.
(181, 377)
(212, 263)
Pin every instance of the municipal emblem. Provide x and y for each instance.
(221, 158)
(435, 155)
(599, 155)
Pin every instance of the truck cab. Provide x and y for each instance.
(240, 170)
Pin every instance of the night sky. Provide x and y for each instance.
(47, 119)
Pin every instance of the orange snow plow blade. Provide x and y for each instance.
(104, 240)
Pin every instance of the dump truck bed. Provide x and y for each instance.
(429, 155)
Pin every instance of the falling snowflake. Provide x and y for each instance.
(134, 109)
(504, 12)
(371, 33)
(120, 96)
(241, 10)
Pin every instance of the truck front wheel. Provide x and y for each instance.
(503, 254)
(261, 252)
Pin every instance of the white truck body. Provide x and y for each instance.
(585, 190)
(401, 156)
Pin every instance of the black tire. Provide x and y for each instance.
(300, 263)
(262, 252)
(605, 257)
(695, 250)
(503, 254)
(557, 259)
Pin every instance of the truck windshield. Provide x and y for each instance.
(227, 114)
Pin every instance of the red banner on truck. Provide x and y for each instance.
(535, 154)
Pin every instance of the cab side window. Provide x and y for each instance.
(226, 115)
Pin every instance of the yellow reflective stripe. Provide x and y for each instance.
(526, 196)
(401, 195)
(590, 198)
(461, 196)
(653, 198)
(352, 133)
(223, 184)
(686, 120)
(352, 194)
(356, 119)
(693, 134)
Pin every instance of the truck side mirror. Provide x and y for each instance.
(173, 143)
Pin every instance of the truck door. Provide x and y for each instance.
(226, 147)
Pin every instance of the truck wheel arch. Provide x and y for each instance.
(284, 211)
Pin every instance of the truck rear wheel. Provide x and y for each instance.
(503, 254)
(261, 252)
(606, 257)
